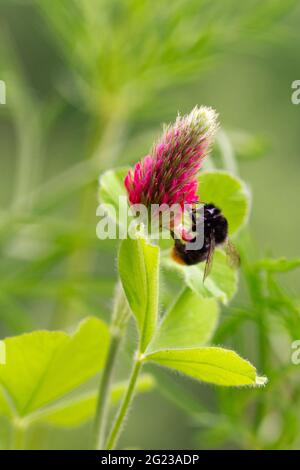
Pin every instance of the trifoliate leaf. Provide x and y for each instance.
(221, 283)
(190, 322)
(43, 366)
(138, 269)
(214, 365)
(80, 409)
(227, 192)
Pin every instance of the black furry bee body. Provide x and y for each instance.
(215, 232)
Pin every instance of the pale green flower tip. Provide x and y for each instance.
(261, 381)
(203, 121)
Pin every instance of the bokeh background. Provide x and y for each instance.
(89, 83)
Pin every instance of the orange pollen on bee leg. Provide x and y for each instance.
(176, 257)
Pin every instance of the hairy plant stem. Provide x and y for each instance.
(119, 322)
(103, 397)
(122, 413)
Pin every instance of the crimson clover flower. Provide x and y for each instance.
(169, 174)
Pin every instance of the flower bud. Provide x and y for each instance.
(169, 174)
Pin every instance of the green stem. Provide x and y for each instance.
(257, 293)
(103, 400)
(120, 318)
(19, 436)
(123, 411)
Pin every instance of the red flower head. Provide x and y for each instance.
(168, 174)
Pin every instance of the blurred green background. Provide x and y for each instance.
(89, 83)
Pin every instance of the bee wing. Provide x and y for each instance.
(209, 259)
(233, 256)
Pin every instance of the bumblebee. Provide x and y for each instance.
(214, 228)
